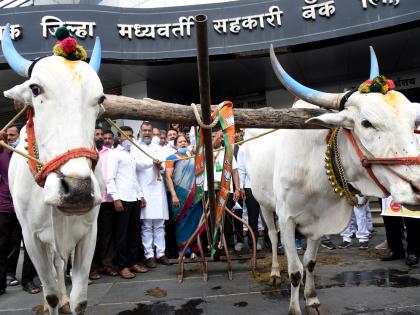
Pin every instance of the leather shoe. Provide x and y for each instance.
(150, 263)
(163, 260)
(411, 259)
(393, 256)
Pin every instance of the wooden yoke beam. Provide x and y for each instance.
(121, 107)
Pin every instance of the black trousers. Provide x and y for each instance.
(10, 239)
(105, 240)
(170, 239)
(394, 227)
(127, 234)
(230, 222)
(253, 208)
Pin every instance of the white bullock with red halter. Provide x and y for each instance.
(58, 211)
(289, 178)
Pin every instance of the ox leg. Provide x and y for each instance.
(83, 255)
(268, 215)
(60, 266)
(295, 267)
(42, 260)
(309, 261)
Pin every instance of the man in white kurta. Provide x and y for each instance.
(155, 213)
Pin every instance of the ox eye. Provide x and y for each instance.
(367, 124)
(36, 89)
(101, 99)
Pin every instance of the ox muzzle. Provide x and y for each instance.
(76, 195)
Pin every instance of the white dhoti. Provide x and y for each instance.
(359, 224)
(153, 233)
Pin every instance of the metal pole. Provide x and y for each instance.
(204, 81)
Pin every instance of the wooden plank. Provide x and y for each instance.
(148, 109)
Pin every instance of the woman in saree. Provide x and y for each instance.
(180, 180)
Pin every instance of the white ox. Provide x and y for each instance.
(288, 175)
(58, 220)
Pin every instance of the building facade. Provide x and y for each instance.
(148, 46)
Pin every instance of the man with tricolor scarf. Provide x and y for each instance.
(218, 157)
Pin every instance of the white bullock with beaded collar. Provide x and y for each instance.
(379, 125)
(57, 205)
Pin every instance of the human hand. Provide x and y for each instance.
(175, 201)
(143, 202)
(242, 191)
(158, 164)
(118, 206)
(236, 195)
(3, 136)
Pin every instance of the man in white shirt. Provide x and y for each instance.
(155, 213)
(128, 198)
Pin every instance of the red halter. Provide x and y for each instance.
(39, 172)
(367, 163)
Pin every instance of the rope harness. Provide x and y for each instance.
(340, 184)
(368, 162)
(39, 171)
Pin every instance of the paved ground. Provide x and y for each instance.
(349, 282)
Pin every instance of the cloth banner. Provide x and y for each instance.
(225, 114)
(392, 208)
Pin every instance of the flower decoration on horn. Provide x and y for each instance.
(379, 84)
(67, 47)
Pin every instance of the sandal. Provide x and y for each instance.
(138, 269)
(109, 271)
(94, 275)
(127, 274)
(31, 288)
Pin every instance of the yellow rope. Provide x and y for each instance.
(187, 157)
(14, 118)
(8, 147)
(3, 144)
(159, 176)
(221, 148)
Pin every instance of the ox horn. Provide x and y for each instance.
(95, 58)
(374, 68)
(19, 64)
(326, 100)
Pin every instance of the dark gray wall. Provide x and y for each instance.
(349, 18)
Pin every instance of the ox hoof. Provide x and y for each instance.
(294, 311)
(314, 309)
(180, 278)
(273, 280)
(230, 275)
(40, 309)
(81, 308)
(65, 309)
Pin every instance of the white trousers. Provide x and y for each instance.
(153, 233)
(360, 224)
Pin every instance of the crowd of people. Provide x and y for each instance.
(157, 185)
(148, 211)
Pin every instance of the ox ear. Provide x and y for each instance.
(20, 93)
(331, 120)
